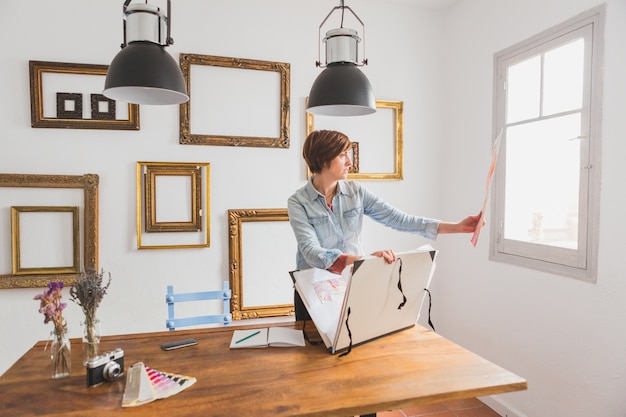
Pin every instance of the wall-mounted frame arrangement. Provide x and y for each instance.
(173, 205)
(235, 102)
(45, 240)
(379, 154)
(66, 95)
(50, 185)
(266, 289)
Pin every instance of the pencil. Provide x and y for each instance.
(248, 337)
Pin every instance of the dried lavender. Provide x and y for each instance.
(88, 292)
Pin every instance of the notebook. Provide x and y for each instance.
(267, 337)
(370, 299)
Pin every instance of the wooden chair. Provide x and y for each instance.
(171, 298)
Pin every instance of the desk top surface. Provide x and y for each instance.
(412, 367)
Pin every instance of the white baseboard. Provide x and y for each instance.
(501, 407)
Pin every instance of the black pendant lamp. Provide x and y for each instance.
(143, 72)
(341, 89)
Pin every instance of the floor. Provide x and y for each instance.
(462, 408)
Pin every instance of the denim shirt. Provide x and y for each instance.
(324, 234)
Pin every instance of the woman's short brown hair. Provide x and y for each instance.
(322, 146)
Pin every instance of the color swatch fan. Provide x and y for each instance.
(144, 385)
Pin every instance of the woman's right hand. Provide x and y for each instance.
(387, 254)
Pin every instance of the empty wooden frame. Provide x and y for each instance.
(269, 288)
(248, 96)
(51, 106)
(34, 243)
(379, 153)
(89, 185)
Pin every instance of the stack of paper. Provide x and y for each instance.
(144, 385)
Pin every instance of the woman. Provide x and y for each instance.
(327, 213)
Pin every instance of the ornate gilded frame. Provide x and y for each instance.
(38, 68)
(236, 218)
(152, 171)
(396, 142)
(354, 169)
(16, 244)
(146, 203)
(89, 184)
(189, 138)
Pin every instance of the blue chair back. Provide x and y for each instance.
(171, 298)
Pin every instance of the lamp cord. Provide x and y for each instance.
(343, 9)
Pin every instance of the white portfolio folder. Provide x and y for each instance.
(369, 300)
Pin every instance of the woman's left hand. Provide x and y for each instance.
(467, 225)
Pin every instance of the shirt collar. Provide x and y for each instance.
(313, 193)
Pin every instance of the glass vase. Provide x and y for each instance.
(61, 354)
(91, 339)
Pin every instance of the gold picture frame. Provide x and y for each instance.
(73, 118)
(16, 240)
(394, 139)
(187, 137)
(194, 221)
(89, 185)
(190, 232)
(236, 220)
(354, 157)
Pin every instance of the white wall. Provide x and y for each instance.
(564, 336)
(79, 31)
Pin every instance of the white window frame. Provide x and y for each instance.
(580, 263)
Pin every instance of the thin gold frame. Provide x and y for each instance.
(89, 184)
(397, 107)
(188, 138)
(203, 211)
(236, 218)
(16, 259)
(151, 174)
(38, 68)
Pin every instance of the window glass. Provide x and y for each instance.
(563, 78)
(524, 90)
(542, 180)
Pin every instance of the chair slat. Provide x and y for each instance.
(171, 298)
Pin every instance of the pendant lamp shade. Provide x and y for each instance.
(341, 90)
(144, 73)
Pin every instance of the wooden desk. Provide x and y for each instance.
(412, 367)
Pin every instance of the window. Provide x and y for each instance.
(547, 107)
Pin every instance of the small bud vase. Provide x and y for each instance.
(60, 353)
(91, 339)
